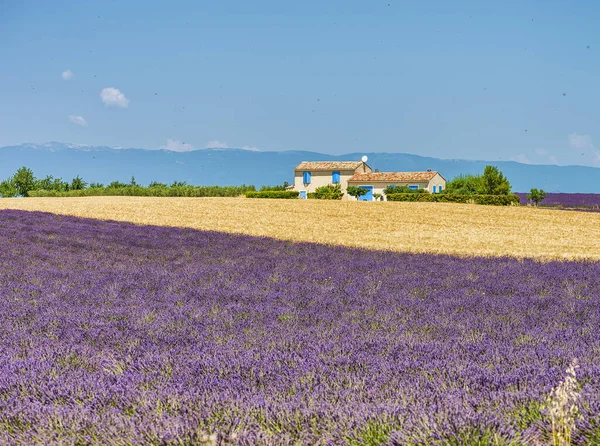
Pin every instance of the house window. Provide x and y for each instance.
(439, 188)
(434, 189)
(335, 177)
(306, 177)
(413, 186)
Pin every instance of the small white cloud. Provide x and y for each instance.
(177, 146)
(66, 75)
(112, 97)
(252, 149)
(544, 157)
(79, 120)
(580, 142)
(522, 158)
(214, 144)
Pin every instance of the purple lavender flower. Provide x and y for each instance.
(112, 332)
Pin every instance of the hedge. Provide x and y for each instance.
(495, 200)
(411, 197)
(150, 191)
(287, 194)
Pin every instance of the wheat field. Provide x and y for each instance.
(446, 228)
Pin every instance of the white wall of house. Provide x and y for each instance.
(437, 181)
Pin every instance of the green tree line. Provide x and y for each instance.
(24, 184)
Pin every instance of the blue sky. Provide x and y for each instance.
(494, 80)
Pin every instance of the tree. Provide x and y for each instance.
(465, 185)
(356, 191)
(117, 185)
(45, 184)
(78, 183)
(24, 181)
(494, 182)
(537, 196)
(59, 185)
(7, 188)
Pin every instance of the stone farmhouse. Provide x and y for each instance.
(308, 176)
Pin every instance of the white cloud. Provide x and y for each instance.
(580, 142)
(214, 144)
(112, 97)
(177, 146)
(584, 144)
(546, 157)
(252, 149)
(79, 120)
(66, 75)
(521, 158)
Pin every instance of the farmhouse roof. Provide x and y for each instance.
(329, 165)
(390, 177)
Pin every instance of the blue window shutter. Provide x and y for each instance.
(434, 189)
(335, 177)
(440, 188)
(306, 177)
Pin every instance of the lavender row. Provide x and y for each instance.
(591, 201)
(116, 333)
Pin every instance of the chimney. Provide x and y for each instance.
(376, 170)
(428, 170)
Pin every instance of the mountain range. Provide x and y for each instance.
(237, 166)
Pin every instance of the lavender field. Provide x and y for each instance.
(124, 334)
(567, 201)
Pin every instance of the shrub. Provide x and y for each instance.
(411, 197)
(329, 192)
(285, 194)
(453, 198)
(495, 200)
(392, 190)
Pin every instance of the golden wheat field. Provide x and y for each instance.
(448, 228)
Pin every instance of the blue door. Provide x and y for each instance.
(302, 194)
(369, 195)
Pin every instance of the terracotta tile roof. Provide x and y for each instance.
(328, 165)
(390, 177)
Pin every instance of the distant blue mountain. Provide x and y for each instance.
(237, 166)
